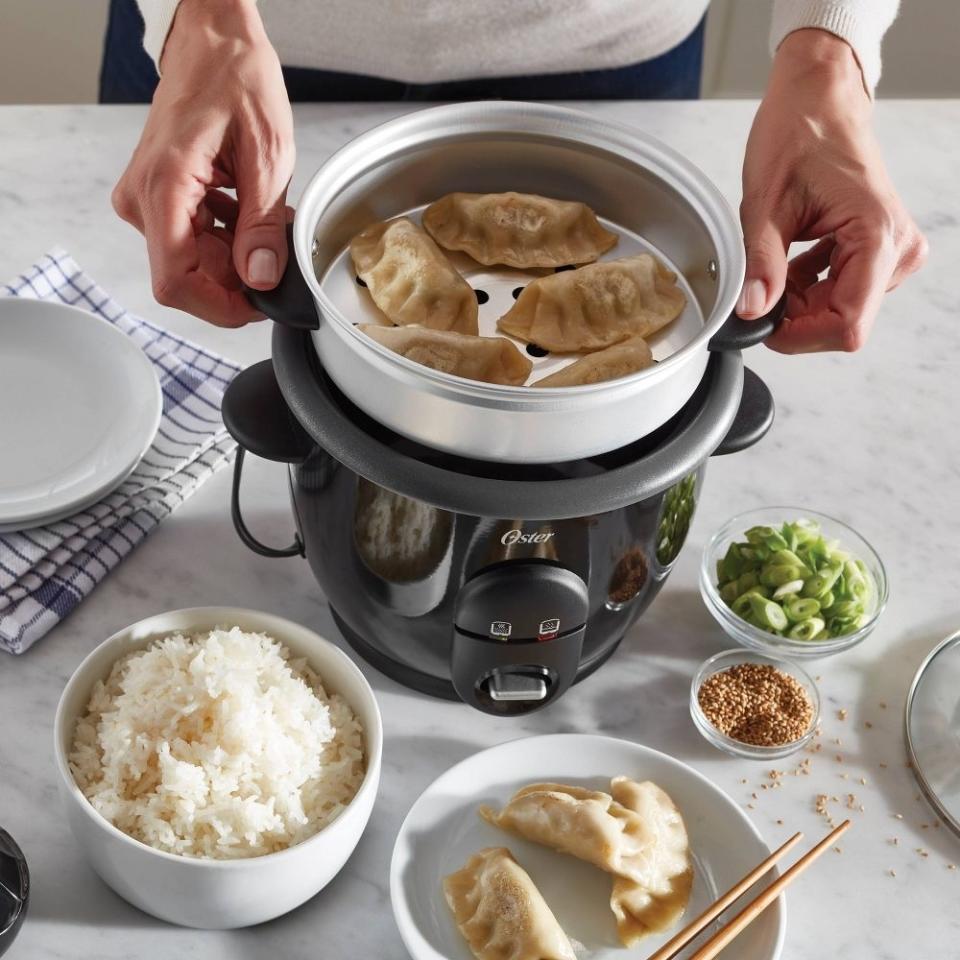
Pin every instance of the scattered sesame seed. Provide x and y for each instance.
(893, 873)
(883, 766)
(863, 781)
(839, 758)
(837, 850)
(951, 866)
(779, 823)
(868, 724)
(842, 713)
(898, 816)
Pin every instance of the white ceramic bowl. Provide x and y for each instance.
(218, 894)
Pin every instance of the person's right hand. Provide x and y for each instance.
(220, 118)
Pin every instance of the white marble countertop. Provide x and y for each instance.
(871, 438)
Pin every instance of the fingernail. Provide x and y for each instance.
(262, 266)
(752, 298)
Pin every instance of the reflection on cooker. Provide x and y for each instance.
(399, 539)
(627, 579)
(678, 506)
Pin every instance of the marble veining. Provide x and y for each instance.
(870, 438)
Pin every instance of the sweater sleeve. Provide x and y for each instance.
(861, 23)
(157, 19)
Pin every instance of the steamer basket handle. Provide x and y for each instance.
(754, 416)
(258, 418)
(738, 334)
(290, 301)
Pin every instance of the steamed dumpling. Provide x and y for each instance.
(501, 913)
(655, 899)
(587, 824)
(616, 361)
(410, 278)
(490, 359)
(517, 229)
(596, 306)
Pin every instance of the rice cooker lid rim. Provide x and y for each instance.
(311, 402)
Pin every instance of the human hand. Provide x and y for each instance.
(220, 118)
(813, 171)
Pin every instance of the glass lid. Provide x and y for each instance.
(933, 729)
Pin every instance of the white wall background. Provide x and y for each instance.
(50, 50)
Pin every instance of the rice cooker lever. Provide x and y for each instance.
(517, 635)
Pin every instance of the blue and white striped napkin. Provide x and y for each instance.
(46, 571)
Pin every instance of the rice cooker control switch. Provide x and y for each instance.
(517, 635)
(507, 687)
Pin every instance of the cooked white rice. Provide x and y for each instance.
(217, 746)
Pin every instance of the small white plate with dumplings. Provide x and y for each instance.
(444, 832)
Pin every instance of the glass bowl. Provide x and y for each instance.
(736, 748)
(747, 634)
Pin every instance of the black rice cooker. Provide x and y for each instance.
(498, 584)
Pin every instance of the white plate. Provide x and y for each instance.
(80, 405)
(443, 829)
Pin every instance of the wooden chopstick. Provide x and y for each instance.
(677, 943)
(753, 909)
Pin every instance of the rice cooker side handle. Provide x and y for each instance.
(754, 416)
(290, 301)
(258, 418)
(738, 334)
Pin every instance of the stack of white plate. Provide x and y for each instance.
(79, 406)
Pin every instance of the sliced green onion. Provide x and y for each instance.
(806, 629)
(788, 589)
(801, 609)
(790, 580)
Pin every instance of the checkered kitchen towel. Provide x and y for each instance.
(46, 571)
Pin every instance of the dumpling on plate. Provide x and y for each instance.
(489, 359)
(621, 359)
(410, 278)
(517, 229)
(596, 306)
(501, 913)
(655, 899)
(587, 824)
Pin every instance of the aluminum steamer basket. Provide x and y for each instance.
(652, 197)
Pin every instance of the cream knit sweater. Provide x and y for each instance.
(428, 41)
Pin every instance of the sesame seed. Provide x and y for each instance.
(842, 713)
(893, 873)
(756, 704)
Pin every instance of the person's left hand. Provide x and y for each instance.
(813, 171)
